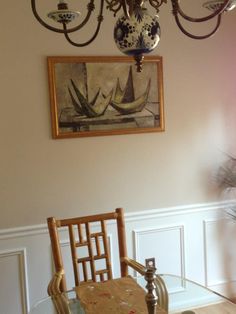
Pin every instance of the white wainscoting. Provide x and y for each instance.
(14, 281)
(148, 242)
(194, 241)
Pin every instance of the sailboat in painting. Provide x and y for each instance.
(95, 108)
(124, 100)
(91, 109)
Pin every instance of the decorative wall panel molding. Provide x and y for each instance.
(219, 256)
(165, 244)
(161, 243)
(21, 274)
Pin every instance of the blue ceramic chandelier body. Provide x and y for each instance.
(138, 34)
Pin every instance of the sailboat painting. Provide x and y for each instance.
(92, 96)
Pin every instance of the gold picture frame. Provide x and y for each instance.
(104, 95)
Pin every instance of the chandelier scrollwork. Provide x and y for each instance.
(114, 6)
(136, 32)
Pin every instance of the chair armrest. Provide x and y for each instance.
(135, 265)
(54, 284)
(161, 292)
(59, 299)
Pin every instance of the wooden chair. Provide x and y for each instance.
(98, 249)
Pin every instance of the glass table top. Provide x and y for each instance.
(185, 296)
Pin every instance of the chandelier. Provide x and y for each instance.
(136, 32)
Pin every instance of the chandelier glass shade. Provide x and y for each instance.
(136, 32)
(214, 5)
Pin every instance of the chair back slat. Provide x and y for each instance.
(98, 248)
(81, 235)
(90, 251)
(85, 271)
(73, 254)
(106, 249)
(78, 244)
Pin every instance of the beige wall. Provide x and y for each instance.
(40, 176)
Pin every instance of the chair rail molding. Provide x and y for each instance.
(129, 217)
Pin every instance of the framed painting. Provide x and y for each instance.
(92, 96)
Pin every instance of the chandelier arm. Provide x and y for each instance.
(87, 17)
(178, 10)
(183, 30)
(100, 19)
(59, 30)
(81, 44)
